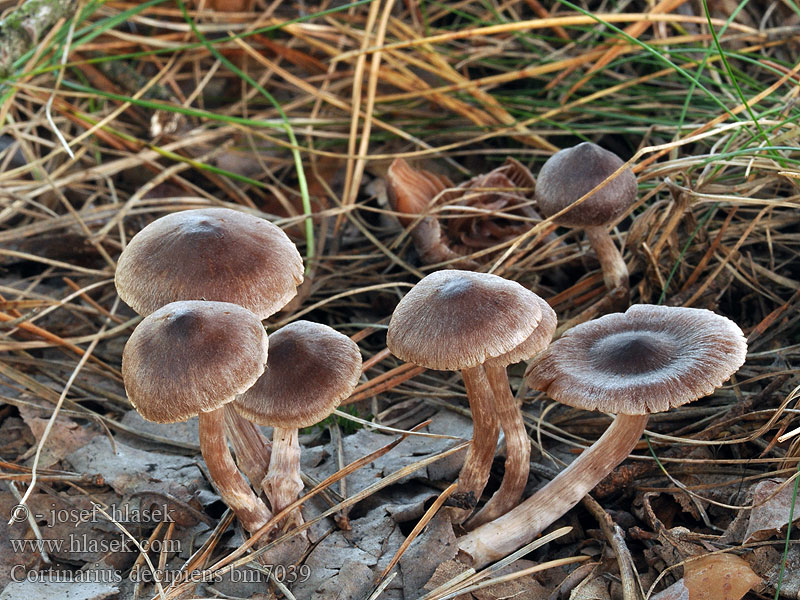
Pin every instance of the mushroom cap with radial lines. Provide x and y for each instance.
(209, 254)
(190, 357)
(311, 369)
(573, 172)
(453, 320)
(645, 360)
(536, 342)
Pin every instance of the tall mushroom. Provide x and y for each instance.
(573, 172)
(518, 447)
(192, 358)
(458, 320)
(213, 254)
(645, 360)
(311, 369)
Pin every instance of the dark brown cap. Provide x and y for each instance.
(210, 254)
(645, 360)
(573, 172)
(537, 341)
(454, 320)
(311, 369)
(190, 357)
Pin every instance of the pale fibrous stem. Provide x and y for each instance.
(615, 271)
(504, 535)
(251, 448)
(518, 449)
(231, 484)
(478, 463)
(282, 483)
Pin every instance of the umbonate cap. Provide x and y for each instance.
(536, 342)
(573, 172)
(311, 369)
(645, 360)
(453, 320)
(190, 357)
(210, 254)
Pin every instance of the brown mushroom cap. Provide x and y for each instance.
(454, 320)
(536, 342)
(571, 173)
(190, 357)
(645, 360)
(209, 254)
(311, 369)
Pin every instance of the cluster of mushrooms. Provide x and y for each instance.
(206, 278)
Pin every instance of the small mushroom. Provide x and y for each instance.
(573, 172)
(192, 358)
(209, 254)
(518, 446)
(458, 320)
(311, 369)
(645, 360)
(497, 208)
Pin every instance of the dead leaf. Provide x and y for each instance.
(719, 577)
(71, 590)
(677, 591)
(65, 436)
(771, 508)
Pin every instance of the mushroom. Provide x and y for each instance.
(214, 254)
(209, 254)
(192, 358)
(458, 320)
(645, 360)
(518, 446)
(573, 172)
(311, 369)
(497, 209)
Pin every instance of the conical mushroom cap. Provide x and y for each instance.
(311, 369)
(536, 342)
(571, 173)
(645, 360)
(209, 254)
(190, 357)
(453, 320)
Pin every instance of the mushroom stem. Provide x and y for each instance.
(485, 431)
(518, 449)
(232, 487)
(282, 483)
(521, 525)
(615, 272)
(251, 448)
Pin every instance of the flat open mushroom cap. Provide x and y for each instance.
(572, 172)
(645, 360)
(453, 320)
(311, 369)
(190, 357)
(209, 254)
(537, 341)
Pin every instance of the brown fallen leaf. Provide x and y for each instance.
(719, 577)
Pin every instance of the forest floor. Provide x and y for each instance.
(122, 112)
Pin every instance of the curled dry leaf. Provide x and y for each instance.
(771, 507)
(719, 577)
(497, 208)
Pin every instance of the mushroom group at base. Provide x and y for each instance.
(645, 360)
(456, 320)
